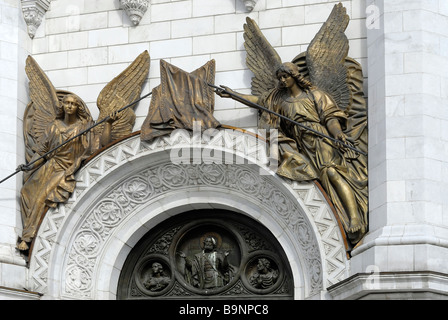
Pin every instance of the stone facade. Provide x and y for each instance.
(408, 67)
(15, 45)
(402, 46)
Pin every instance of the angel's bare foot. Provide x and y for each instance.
(23, 246)
(355, 225)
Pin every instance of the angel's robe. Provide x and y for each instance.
(181, 99)
(53, 181)
(303, 155)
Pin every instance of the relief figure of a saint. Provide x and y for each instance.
(208, 269)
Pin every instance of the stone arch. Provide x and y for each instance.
(130, 187)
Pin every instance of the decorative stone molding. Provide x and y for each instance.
(131, 180)
(399, 285)
(329, 231)
(135, 9)
(15, 294)
(249, 4)
(33, 12)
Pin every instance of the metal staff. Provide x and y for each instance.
(24, 168)
(257, 106)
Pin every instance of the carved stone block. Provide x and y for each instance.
(33, 12)
(135, 9)
(249, 4)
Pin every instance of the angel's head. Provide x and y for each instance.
(292, 70)
(72, 103)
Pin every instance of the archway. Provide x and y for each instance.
(131, 187)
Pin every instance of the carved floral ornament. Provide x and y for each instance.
(249, 4)
(135, 9)
(33, 12)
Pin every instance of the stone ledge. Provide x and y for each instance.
(392, 285)
(404, 235)
(15, 294)
(10, 255)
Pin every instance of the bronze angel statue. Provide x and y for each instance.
(322, 90)
(56, 117)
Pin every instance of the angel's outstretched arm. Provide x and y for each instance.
(334, 127)
(106, 134)
(33, 164)
(226, 92)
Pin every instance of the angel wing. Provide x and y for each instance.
(326, 56)
(42, 109)
(327, 65)
(262, 59)
(121, 91)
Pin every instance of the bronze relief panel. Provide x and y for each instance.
(212, 253)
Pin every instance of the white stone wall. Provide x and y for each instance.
(408, 113)
(84, 44)
(14, 47)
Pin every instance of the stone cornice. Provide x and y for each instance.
(391, 285)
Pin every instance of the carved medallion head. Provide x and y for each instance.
(209, 244)
(211, 241)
